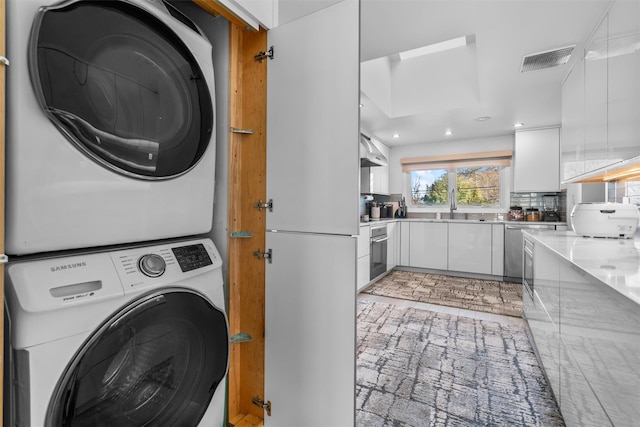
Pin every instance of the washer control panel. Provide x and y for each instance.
(152, 265)
(163, 265)
(191, 257)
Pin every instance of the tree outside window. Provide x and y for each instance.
(475, 186)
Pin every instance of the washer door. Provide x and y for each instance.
(121, 86)
(157, 362)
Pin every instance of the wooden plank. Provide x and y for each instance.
(247, 171)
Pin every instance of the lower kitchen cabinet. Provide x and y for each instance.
(393, 244)
(497, 249)
(587, 336)
(364, 260)
(428, 243)
(469, 247)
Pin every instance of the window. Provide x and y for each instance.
(476, 179)
(474, 186)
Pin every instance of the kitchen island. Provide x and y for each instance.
(584, 315)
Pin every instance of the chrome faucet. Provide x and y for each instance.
(452, 203)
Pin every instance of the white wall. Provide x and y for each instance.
(398, 181)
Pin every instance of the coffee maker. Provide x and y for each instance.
(550, 208)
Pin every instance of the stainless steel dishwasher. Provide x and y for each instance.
(513, 248)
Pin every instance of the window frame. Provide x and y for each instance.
(452, 184)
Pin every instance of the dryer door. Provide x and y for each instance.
(157, 362)
(122, 86)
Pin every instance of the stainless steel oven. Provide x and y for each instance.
(378, 251)
(527, 266)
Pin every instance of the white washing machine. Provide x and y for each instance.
(132, 337)
(110, 124)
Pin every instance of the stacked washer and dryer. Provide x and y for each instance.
(114, 298)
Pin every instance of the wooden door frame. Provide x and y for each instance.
(246, 185)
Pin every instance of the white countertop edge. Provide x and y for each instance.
(614, 262)
(461, 221)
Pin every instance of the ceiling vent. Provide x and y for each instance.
(549, 59)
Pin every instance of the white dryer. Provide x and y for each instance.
(132, 337)
(110, 124)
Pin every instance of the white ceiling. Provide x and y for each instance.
(456, 87)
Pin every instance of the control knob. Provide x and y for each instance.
(152, 265)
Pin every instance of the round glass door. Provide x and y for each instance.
(157, 363)
(122, 87)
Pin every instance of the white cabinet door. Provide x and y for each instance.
(428, 245)
(393, 244)
(312, 166)
(364, 272)
(572, 142)
(310, 330)
(405, 237)
(470, 248)
(313, 122)
(537, 160)
(497, 249)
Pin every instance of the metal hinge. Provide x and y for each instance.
(240, 337)
(4, 60)
(3, 259)
(261, 55)
(262, 205)
(240, 234)
(264, 255)
(242, 131)
(262, 404)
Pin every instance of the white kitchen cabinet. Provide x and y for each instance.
(497, 249)
(469, 247)
(586, 335)
(312, 163)
(405, 237)
(623, 81)
(393, 244)
(364, 259)
(601, 96)
(428, 243)
(595, 100)
(537, 160)
(375, 179)
(573, 127)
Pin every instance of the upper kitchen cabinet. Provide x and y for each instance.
(595, 101)
(623, 83)
(601, 96)
(573, 127)
(375, 179)
(537, 160)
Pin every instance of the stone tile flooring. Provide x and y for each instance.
(421, 364)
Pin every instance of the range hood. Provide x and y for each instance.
(369, 153)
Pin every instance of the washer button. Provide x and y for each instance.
(152, 265)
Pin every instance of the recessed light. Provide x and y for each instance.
(448, 132)
(483, 118)
(518, 125)
(396, 135)
(361, 105)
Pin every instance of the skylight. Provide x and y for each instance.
(434, 48)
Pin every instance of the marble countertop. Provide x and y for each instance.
(615, 262)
